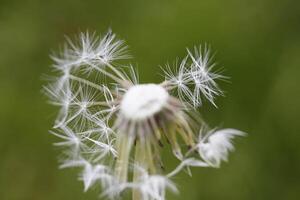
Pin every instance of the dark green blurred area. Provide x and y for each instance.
(257, 43)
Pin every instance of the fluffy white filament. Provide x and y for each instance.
(193, 77)
(215, 147)
(144, 100)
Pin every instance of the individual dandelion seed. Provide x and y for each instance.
(113, 127)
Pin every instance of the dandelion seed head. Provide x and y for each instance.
(113, 127)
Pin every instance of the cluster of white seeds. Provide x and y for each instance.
(113, 128)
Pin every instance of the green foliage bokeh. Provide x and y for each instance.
(257, 43)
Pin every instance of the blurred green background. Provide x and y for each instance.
(257, 43)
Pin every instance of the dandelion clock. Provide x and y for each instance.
(113, 128)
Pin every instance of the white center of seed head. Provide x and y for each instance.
(143, 101)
